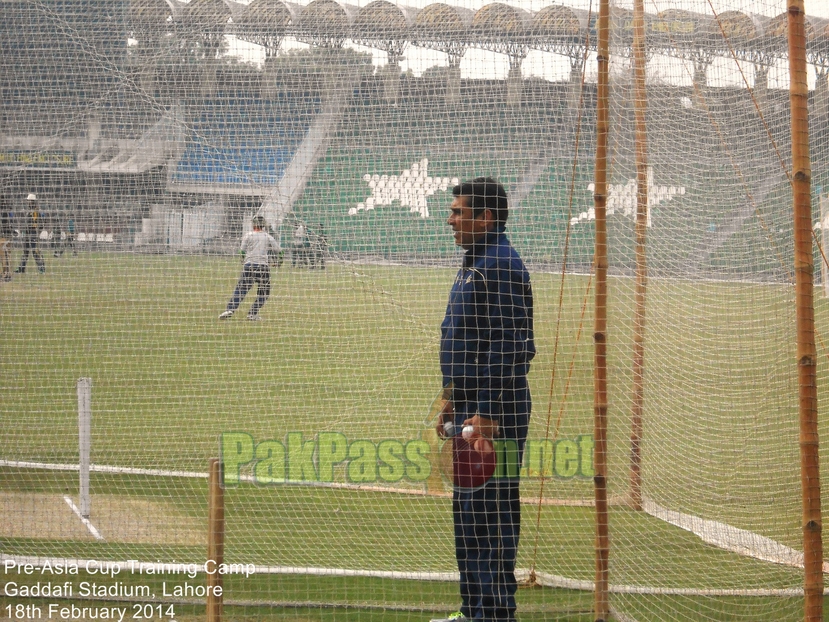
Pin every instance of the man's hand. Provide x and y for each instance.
(483, 431)
(446, 414)
(482, 426)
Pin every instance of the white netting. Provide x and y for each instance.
(152, 131)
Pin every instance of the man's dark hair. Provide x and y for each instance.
(485, 193)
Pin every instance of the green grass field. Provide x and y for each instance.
(352, 351)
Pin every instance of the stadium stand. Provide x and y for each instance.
(241, 138)
(190, 130)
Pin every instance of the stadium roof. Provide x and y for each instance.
(497, 25)
(208, 20)
(384, 25)
(324, 22)
(817, 32)
(152, 15)
(444, 28)
(559, 22)
(266, 22)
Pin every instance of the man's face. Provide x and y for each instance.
(466, 226)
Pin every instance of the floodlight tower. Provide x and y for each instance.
(505, 29)
(385, 26)
(446, 29)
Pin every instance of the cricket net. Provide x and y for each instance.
(152, 131)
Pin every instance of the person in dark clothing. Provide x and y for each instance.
(67, 239)
(486, 346)
(30, 236)
(6, 235)
(318, 247)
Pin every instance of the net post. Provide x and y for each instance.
(823, 201)
(600, 394)
(642, 215)
(215, 540)
(805, 315)
(600, 397)
(84, 442)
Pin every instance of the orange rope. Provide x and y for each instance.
(562, 401)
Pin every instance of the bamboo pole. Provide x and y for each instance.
(640, 105)
(600, 603)
(215, 540)
(805, 321)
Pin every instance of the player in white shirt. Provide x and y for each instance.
(256, 246)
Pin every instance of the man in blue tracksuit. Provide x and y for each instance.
(486, 347)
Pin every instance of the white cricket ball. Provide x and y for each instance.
(467, 432)
(448, 428)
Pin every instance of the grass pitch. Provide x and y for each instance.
(353, 350)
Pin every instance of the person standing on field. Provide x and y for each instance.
(70, 235)
(6, 235)
(30, 234)
(486, 346)
(255, 249)
(67, 238)
(299, 246)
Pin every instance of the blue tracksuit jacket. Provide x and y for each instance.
(486, 347)
(487, 335)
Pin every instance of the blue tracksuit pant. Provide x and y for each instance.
(487, 521)
(252, 273)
